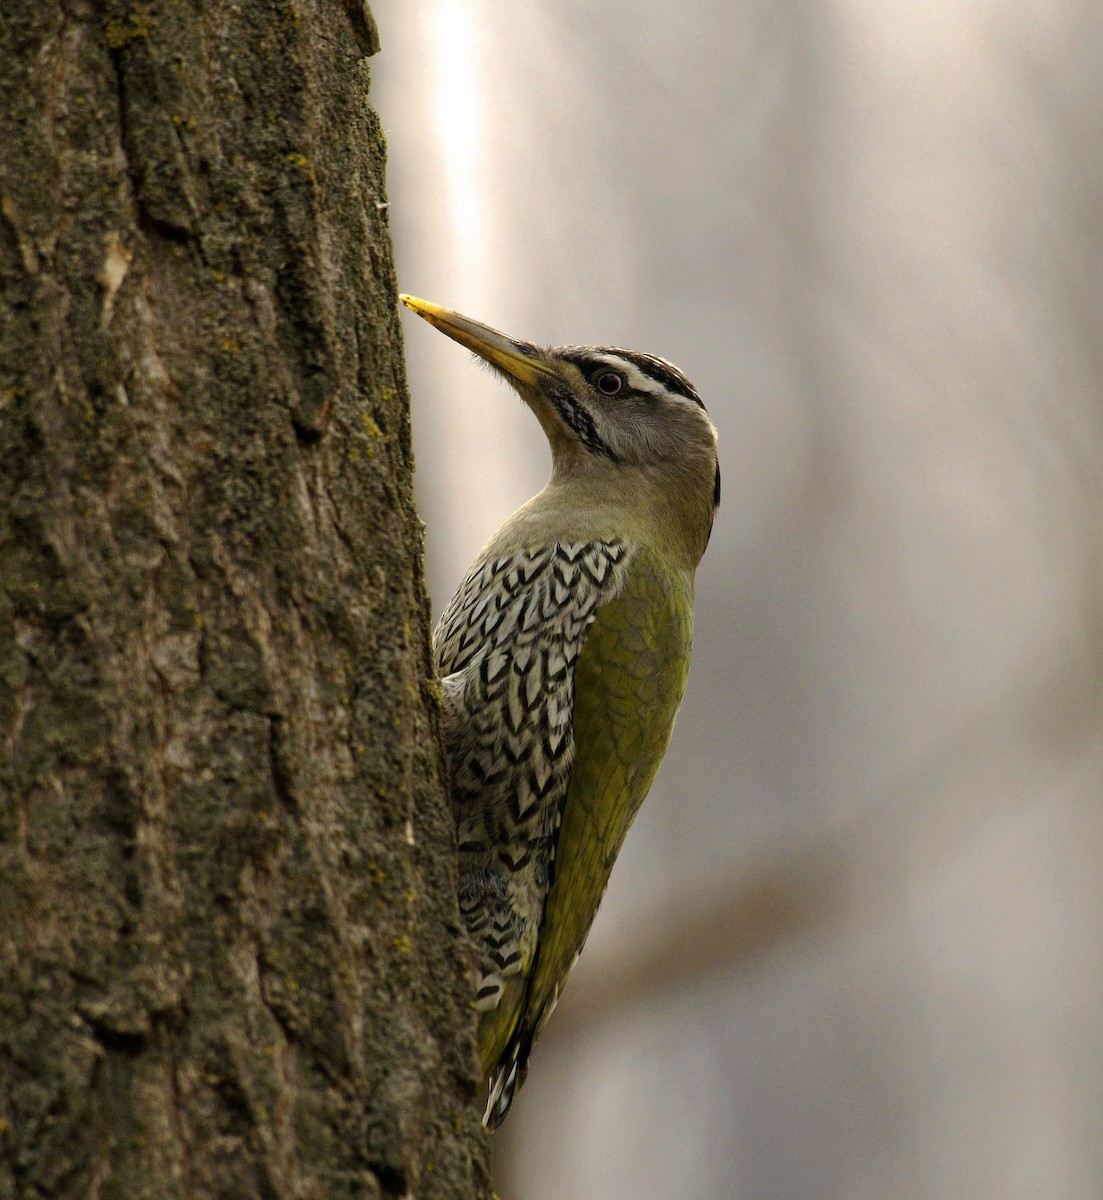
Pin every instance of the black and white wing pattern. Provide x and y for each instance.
(505, 651)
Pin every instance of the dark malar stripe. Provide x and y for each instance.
(577, 419)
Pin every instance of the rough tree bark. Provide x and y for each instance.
(230, 961)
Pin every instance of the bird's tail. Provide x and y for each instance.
(507, 1078)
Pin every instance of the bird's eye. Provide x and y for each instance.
(609, 383)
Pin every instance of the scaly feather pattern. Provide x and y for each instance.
(628, 683)
(506, 649)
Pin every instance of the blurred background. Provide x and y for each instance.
(853, 946)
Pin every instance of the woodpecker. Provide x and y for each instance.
(562, 660)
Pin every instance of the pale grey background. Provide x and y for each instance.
(852, 948)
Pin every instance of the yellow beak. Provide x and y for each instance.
(516, 359)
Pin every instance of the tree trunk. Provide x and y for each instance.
(232, 964)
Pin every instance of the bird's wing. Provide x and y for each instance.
(629, 682)
(507, 648)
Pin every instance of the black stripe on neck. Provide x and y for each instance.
(579, 421)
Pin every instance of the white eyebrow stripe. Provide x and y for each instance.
(637, 380)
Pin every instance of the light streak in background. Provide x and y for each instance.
(475, 420)
(457, 74)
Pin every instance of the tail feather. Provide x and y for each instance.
(512, 1067)
(504, 1085)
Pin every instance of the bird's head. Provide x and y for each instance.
(622, 425)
